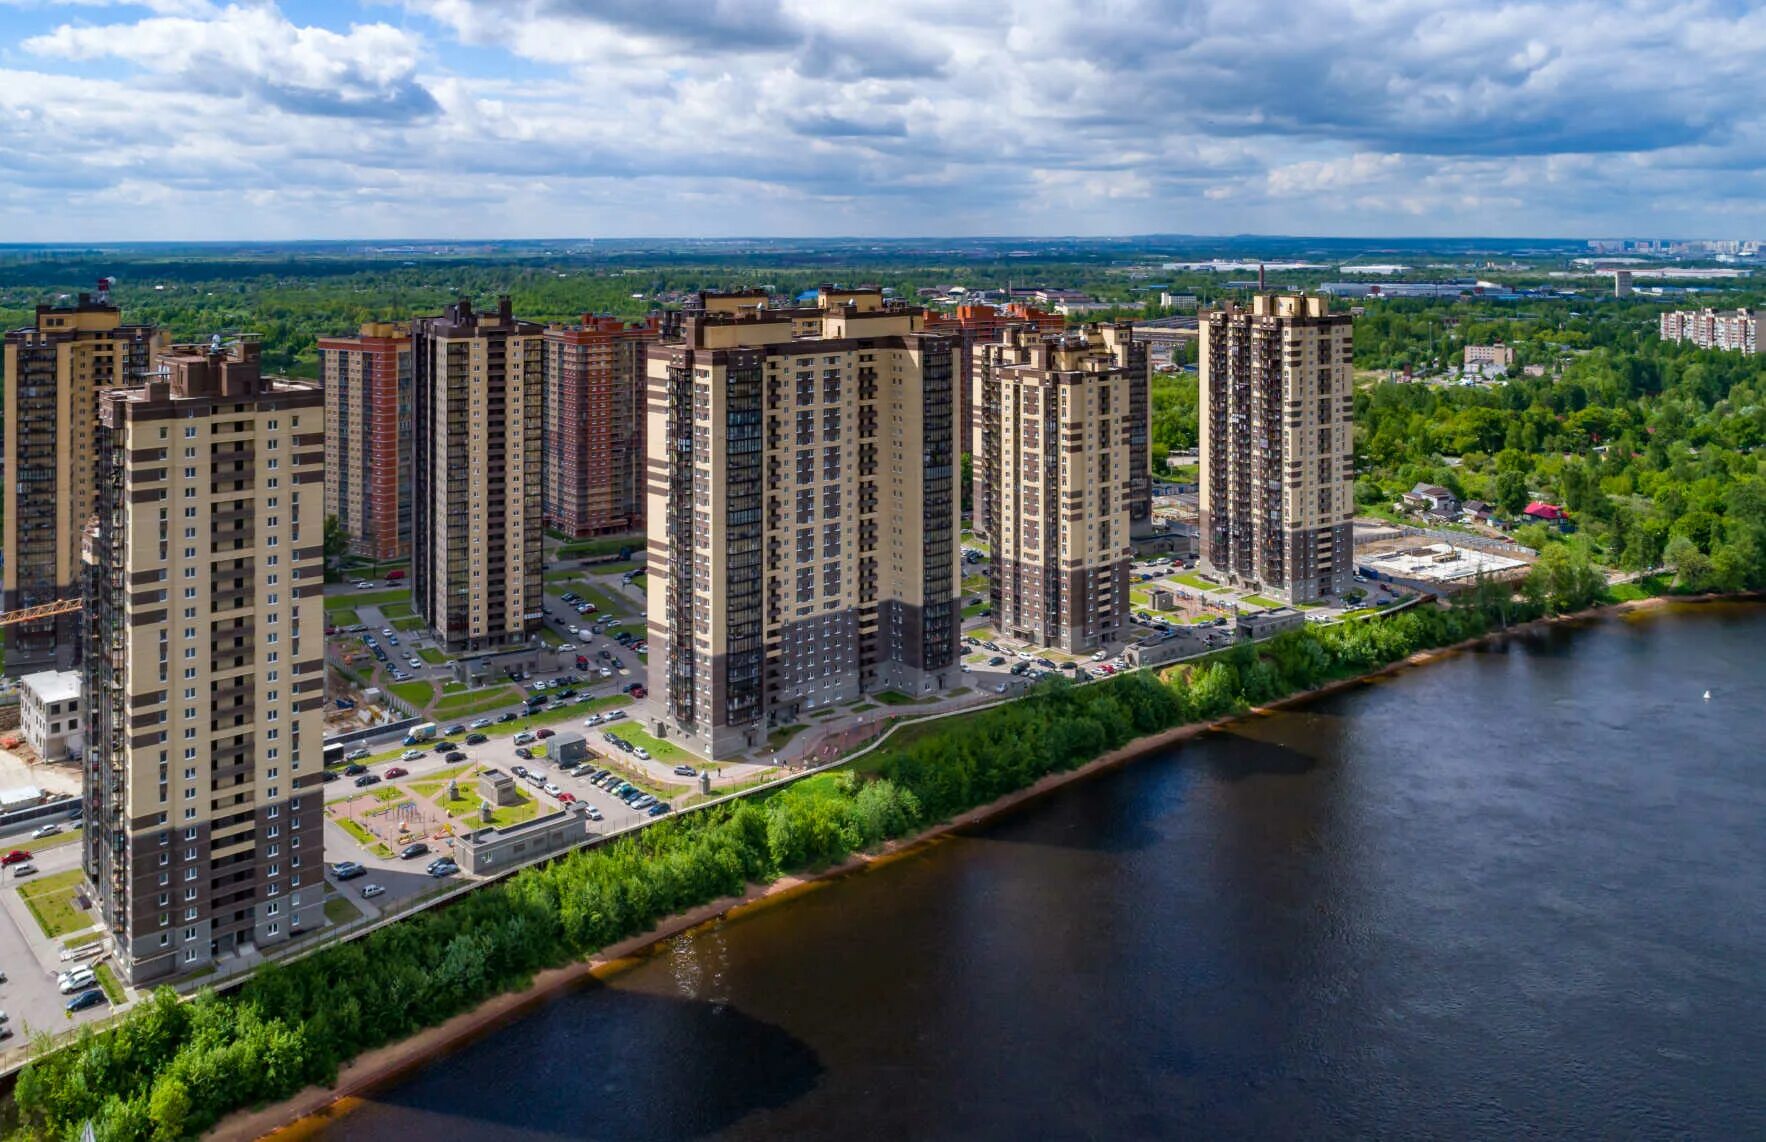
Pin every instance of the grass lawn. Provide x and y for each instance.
(566, 713)
(83, 939)
(608, 604)
(779, 736)
(974, 583)
(432, 655)
(600, 545)
(341, 910)
(402, 610)
(502, 816)
(561, 576)
(107, 979)
(51, 901)
(65, 837)
(435, 782)
(466, 702)
(862, 707)
(550, 637)
(1140, 596)
(418, 693)
(897, 698)
(1646, 588)
(1261, 601)
(1192, 579)
(410, 622)
(342, 616)
(363, 837)
(618, 567)
(974, 609)
(659, 749)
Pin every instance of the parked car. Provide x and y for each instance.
(25, 869)
(370, 891)
(16, 856)
(542, 734)
(524, 753)
(551, 788)
(414, 662)
(443, 867)
(685, 771)
(367, 779)
(566, 798)
(456, 756)
(356, 754)
(75, 979)
(642, 753)
(456, 728)
(413, 851)
(445, 747)
(90, 998)
(508, 716)
(348, 870)
(48, 830)
(524, 737)
(659, 808)
(411, 755)
(480, 723)
(477, 739)
(518, 770)
(593, 813)
(328, 775)
(397, 772)
(354, 769)
(615, 715)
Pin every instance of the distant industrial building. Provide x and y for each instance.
(54, 371)
(475, 527)
(1277, 450)
(1709, 329)
(592, 425)
(1452, 289)
(1482, 357)
(1054, 462)
(804, 512)
(367, 382)
(1621, 283)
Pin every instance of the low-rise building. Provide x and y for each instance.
(485, 852)
(1498, 356)
(567, 749)
(1433, 499)
(1264, 624)
(1549, 514)
(50, 713)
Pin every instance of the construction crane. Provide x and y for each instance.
(41, 611)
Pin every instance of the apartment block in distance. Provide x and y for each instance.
(1055, 459)
(803, 520)
(1277, 449)
(592, 426)
(475, 520)
(1708, 329)
(367, 381)
(54, 372)
(205, 663)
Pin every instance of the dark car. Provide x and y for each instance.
(639, 692)
(996, 660)
(86, 999)
(367, 779)
(354, 769)
(445, 747)
(658, 809)
(347, 870)
(543, 734)
(567, 692)
(518, 770)
(524, 753)
(477, 739)
(456, 728)
(507, 717)
(456, 756)
(411, 852)
(444, 867)
(328, 775)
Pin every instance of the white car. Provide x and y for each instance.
(385, 632)
(566, 647)
(369, 891)
(592, 813)
(641, 753)
(542, 684)
(592, 720)
(415, 662)
(606, 673)
(551, 788)
(411, 755)
(46, 830)
(614, 715)
(75, 979)
(479, 724)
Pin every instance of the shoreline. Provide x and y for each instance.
(308, 1113)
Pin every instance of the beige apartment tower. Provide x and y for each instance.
(803, 516)
(54, 372)
(205, 663)
(1054, 460)
(1277, 448)
(475, 520)
(367, 382)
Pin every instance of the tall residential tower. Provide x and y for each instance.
(475, 542)
(1054, 459)
(1277, 448)
(367, 380)
(205, 663)
(54, 372)
(803, 518)
(592, 428)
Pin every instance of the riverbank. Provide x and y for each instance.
(315, 1107)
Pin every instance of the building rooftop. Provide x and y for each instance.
(53, 685)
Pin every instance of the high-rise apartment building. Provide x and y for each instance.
(803, 518)
(205, 662)
(1055, 460)
(54, 372)
(1710, 329)
(367, 381)
(1277, 448)
(475, 521)
(592, 426)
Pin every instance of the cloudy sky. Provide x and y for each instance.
(179, 119)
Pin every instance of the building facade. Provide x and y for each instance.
(1277, 448)
(205, 663)
(1497, 356)
(54, 371)
(50, 713)
(1055, 459)
(592, 425)
(475, 520)
(367, 382)
(803, 521)
(1708, 329)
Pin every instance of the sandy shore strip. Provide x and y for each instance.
(307, 1114)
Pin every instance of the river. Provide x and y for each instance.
(1518, 891)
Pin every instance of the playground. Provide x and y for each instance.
(385, 818)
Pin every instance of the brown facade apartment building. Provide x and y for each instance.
(367, 381)
(804, 512)
(1277, 448)
(1055, 458)
(205, 663)
(54, 371)
(592, 427)
(475, 520)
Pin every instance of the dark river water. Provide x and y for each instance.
(1518, 892)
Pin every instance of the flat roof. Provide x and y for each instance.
(53, 685)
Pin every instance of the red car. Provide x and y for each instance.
(15, 856)
(397, 771)
(541, 734)
(566, 798)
